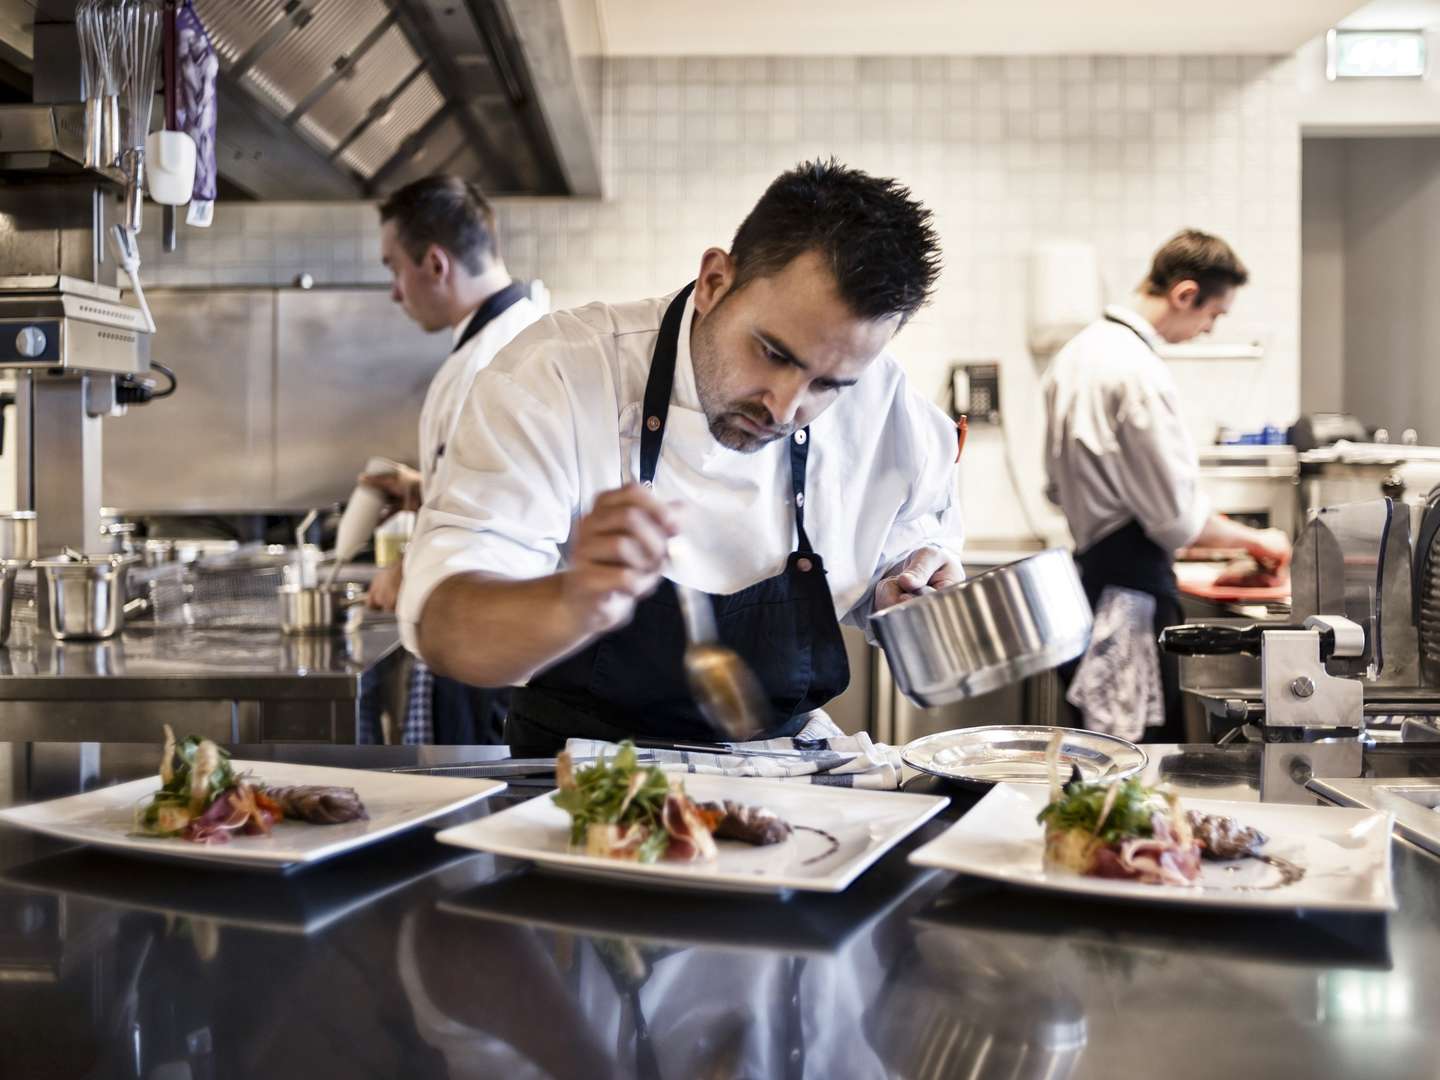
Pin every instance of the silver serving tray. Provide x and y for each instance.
(1010, 753)
(1415, 802)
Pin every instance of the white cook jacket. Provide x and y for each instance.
(446, 397)
(555, 420)
(711, 1011)
(1116, 449)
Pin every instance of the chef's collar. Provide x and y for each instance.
(1137, 322)
(685, 393)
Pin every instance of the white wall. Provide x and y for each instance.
(1119, 152)
(1392, 276)
(1322, 275)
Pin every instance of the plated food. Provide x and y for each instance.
(1120, 830)
(1126, 830)
(1121, 839)
(203, 799)
(621, 809)
(767, 836)
(324, 811)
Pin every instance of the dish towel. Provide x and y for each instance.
(1117, 685)
(820, 754)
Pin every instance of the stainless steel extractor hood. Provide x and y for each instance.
(325, 97)
(334, 99)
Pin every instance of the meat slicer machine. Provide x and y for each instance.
(1361, 650)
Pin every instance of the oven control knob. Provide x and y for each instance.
(30, 342)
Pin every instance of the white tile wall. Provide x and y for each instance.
(1118, 151)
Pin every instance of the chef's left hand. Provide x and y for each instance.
(923, 570)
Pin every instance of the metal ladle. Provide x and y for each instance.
(729, 695)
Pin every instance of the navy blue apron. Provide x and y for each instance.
(1127, 558)
(465, 715)
(631, 682)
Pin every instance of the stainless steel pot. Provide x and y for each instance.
(987, 632)
(320, 609)
(83, 599)
(17, 536)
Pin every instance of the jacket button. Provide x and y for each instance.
(800, 437)
(653, 423)
(800, 498)
(803, 565)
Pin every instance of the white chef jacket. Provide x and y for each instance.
(705, 1006)
(446, 396)
(1116, 449)
(556, 419)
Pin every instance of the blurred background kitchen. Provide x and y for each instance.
(1057, 143)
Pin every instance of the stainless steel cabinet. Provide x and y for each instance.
(350, 377)
(284, 394)
(211, 447)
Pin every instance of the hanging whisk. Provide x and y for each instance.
(92, 81)
(97, 23)
(142, 27)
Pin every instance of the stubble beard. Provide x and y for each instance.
(721, 415)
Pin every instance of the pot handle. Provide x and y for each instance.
(1206, 639)
(1201, 639)
(351, 601)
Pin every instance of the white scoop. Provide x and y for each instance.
(362, 514)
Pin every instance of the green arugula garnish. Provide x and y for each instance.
(618, 791)
(1080, 807)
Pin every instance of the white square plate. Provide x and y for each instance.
(864, 824)
(1345, 855)
(395, 801)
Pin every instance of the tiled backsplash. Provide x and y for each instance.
(1009, 152)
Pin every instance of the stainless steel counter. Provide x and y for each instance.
(234, 685)
(417, 960)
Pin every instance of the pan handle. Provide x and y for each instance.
(1203, 639)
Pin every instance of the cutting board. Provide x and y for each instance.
(1235, 594)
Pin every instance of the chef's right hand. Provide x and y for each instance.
(617, 558)
(400, 488)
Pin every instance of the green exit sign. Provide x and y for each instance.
(1375, 54)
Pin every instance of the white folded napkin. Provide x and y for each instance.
(820, 754)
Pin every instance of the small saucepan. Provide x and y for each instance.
(989, 631)
(320, 609)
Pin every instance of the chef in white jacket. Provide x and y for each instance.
(438, 240)
(755, 415)
(1124, 470)
(598, 1004)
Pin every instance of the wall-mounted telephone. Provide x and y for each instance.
(975, 391)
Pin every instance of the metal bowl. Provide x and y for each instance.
(83, 598)
(320, 609)
(981, 756)
(989, 631)
(17, 536)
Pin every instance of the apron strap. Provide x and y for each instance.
(659, 385)
(1127, 326)
(495, 305)
(799, 452)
